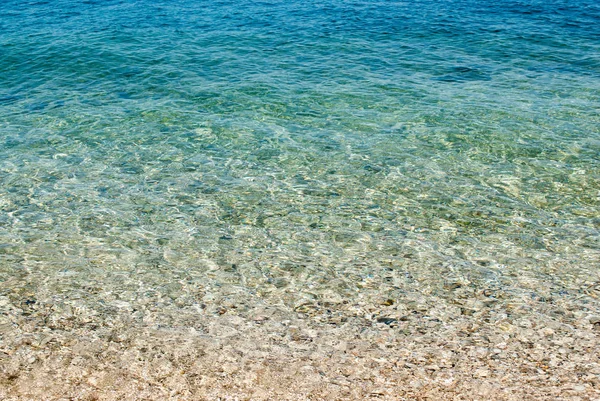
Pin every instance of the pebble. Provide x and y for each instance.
(387, 320)
(122, 304)
(594, 320)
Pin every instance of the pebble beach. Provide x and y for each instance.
(299, 200)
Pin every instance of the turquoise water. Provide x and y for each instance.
(300, 154)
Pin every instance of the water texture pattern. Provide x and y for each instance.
(166, 164)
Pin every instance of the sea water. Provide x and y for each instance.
(307, 155)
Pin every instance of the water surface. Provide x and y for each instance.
(299, 154)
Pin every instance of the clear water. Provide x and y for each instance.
(299, 153)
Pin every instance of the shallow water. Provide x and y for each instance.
(298, 154)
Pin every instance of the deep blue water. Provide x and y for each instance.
(300, 141)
